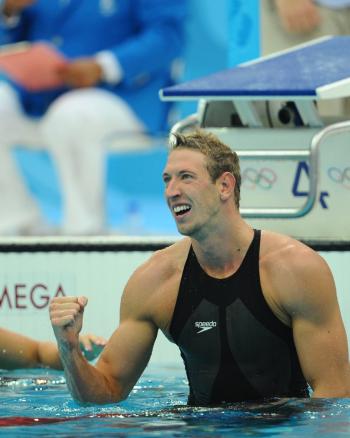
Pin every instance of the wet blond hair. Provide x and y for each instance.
(220, 157)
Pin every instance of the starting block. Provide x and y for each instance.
(295, 162)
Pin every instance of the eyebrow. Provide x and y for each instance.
(181, 172)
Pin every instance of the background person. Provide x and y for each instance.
(286, 23)
(254, 314)
(120, 53)
(18, 351)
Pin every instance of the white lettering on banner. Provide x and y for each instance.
(23, 295)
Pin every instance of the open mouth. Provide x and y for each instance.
(180, 210)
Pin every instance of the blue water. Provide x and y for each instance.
(31, 400)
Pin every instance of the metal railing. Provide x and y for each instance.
(311, 154)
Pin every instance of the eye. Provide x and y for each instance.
(185, 176)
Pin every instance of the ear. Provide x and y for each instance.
(227, 184)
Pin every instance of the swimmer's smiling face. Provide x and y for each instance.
(193, 198)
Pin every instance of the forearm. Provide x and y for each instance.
(17, 351)
(85, 382)
(123, 360)
(48, 355)
(10, 360)
(29, 354)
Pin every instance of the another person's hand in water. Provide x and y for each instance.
(18, 351)
(91, 345)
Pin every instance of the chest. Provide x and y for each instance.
(235, 329)
(231, 311)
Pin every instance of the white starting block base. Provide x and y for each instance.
(282, 183)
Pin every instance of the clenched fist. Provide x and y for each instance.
(66, 314)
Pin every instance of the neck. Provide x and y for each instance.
(220, 253)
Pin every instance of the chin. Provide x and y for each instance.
(182, 229)
(187, 230)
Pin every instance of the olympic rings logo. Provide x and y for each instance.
(263, 178)
(340, 176)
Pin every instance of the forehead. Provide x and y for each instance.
(189, 159)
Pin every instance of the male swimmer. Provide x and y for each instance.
(254, 313)
(18, 351)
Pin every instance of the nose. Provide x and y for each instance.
(172, 189)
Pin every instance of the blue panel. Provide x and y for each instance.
(244, 31)
(296, 73)
(206, 42)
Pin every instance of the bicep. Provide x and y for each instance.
(321, 344)
(127, 353)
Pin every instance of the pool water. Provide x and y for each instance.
(37, 403)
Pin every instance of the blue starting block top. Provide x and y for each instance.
(319, 69)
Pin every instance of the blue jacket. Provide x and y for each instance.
(145, 35)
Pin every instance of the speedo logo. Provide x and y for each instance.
(204, 326)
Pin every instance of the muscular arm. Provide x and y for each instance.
(319, 334)
(127, 355)
(118, 369)
(124, 357)
(303, 286)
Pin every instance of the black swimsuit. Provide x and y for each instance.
(233, 346)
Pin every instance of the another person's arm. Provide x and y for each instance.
(298, 16)
(125, 355)
(18, 351)
(305, 289)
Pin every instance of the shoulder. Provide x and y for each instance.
(278, 251)
(152, 281)
(163, 263)
(294, 274)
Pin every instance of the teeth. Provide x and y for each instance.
(179, 208)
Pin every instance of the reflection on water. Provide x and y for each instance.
(37, 403)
